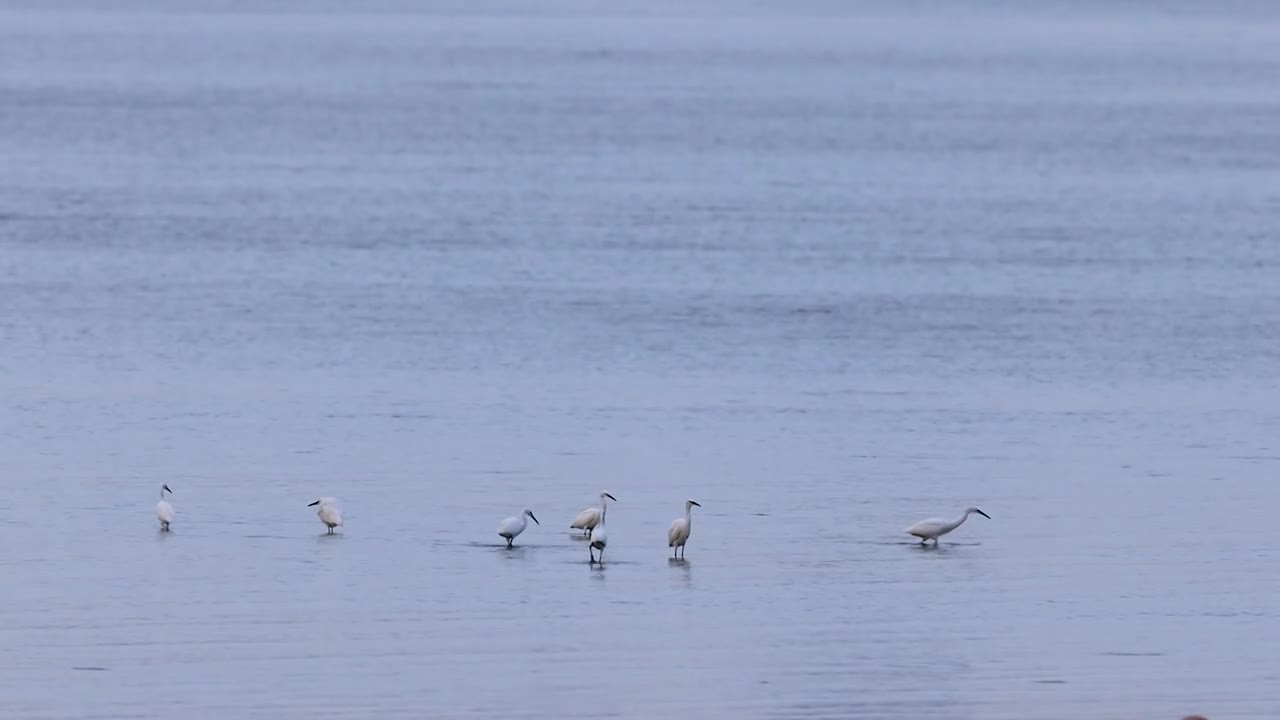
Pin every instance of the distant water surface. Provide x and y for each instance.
(827, 268)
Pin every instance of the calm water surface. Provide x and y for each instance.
(827, 269)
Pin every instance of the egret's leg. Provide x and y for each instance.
(509, 543)
(592, 552)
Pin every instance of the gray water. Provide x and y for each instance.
(826, 268)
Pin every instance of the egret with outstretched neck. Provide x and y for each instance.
(934, 528)
(513, 526)
(678, 535)
(598, 537)
(164, 511)
(328, 512)
(590, 517)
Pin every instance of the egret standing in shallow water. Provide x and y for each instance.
(328, 512)
(599, 538)
(934, 528)
(678, 535)
(590, 517)
(164, 511)
(513, 526)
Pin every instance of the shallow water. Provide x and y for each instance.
(827, 270)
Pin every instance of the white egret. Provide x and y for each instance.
(599, 538)
(513, 526)
(328, 512)
(590, 517)
(933, 528)
(678, 535)
(164, 511)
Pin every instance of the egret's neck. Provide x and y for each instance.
(958, 521)
(688, 513)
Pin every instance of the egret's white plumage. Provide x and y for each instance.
(678, 535)
(934, 528)
(586, 520)
(328, 512)
(164, 511)
(590, 517)
(513, 526)
(599, 537)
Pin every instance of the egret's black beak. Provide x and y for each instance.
(695, 502)
(984, 515)
(313, 504)
(611, 497)
(534, 519)
(166, 487)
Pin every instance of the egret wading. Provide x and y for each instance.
(934, 528)
(164, 511)
(590, 517)
(678, 535)
(599, 538)
(328, 512)
(513, 526)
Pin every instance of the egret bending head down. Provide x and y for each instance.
(934, 528)
(678, 535)
(328, 512)
(164, 511)
(513, 526)
(590, 517)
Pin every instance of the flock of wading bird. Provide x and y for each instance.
(591, 522)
